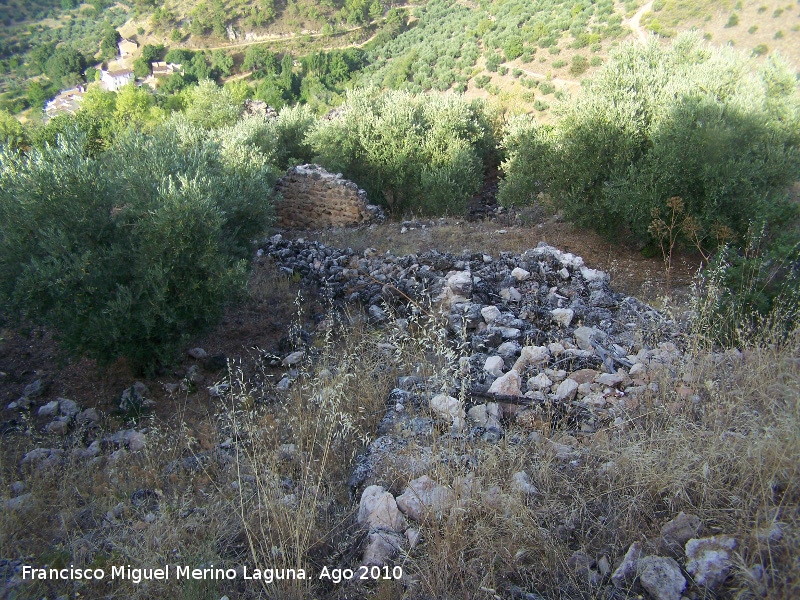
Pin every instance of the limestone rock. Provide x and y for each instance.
(626, 571)
(562, 316)
(566, 390)
(539, 382)
(708, 559)
(448, 408)
(487, 415)
(423, 498)
(381, 547)
(661, 577)
(520, 274)
(494, 366)
(507, 385)
(378, 510)
(678, 531)
(531, 355)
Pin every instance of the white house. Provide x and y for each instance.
(164, 69)
(67, 101)
(127, 47)
(115, 79)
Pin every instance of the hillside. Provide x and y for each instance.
(493, 300)
(524, 54)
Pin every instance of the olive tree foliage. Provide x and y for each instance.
(210, 105)
(421, 153)
(127, 252)
(656, 123)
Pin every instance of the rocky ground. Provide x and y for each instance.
(506, 386)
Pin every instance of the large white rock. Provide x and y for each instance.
(448, 408)
(461, 283)
(531, 355)
(709, 559)
(490, 314)
(423, 498)
(381, 547)
(507, 385)
(539, 382)
(661, 577)
(567, 389)
(378, 510)
(494, 366)
(520, 274)
(562, 316)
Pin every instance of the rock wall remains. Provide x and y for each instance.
(314, 198)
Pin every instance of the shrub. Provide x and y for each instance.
(733, 20)
(481, 81)
(129, 252)
(212, 106)
(546, 87)
(760, 50)
(411, 153)
(557, 64)
(579, 65)
(722, 139)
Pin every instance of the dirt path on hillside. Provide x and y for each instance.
(560, 80)
(634, 23)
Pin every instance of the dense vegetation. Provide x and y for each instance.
(678, 145)
(414, 153)
(126, 252)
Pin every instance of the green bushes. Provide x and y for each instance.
(699, 126)
(129, 252)
(412, 153)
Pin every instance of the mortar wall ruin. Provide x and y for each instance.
(314, 198)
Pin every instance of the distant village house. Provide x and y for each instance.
(127, 47)
(66, 102)
(164, 69)
(115, 79)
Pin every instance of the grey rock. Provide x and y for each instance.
(661, 577)
(35, 389)
(709, 559)
(424, 499)
(378, 510)
(197, 353)
(381, 547)
(509, 350)
(68, 408)
(49, 409)
(678, 531)
(293, 358)
(22, 503)
(626, 571)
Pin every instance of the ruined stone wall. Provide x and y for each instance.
(314, 198)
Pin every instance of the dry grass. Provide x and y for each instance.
(262, 480)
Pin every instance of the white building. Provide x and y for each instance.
(115, 79)
(67, 101)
